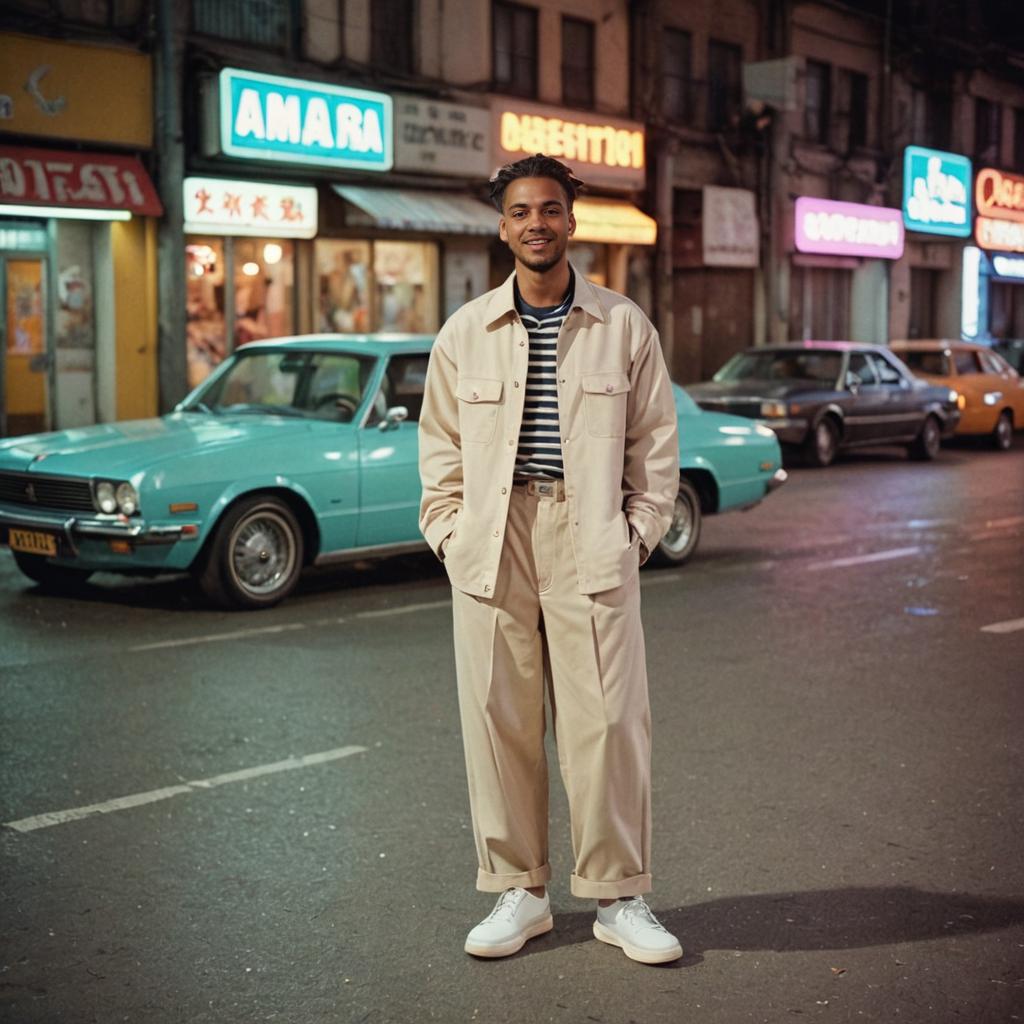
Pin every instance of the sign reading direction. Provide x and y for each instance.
(217, 206)
(936, 192)
(442, 138)
(267, 117)
(601, 150)
(848, 229)
(999, 198)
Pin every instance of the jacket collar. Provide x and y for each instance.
(502, 301)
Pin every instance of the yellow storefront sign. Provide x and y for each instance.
(74, 91)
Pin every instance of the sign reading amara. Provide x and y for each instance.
(601, 150)
(266, 117)
(848, 229)
(220, 207)
(936, 192)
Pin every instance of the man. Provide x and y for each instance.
(550, 465)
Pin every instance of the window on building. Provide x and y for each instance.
(392, 32)
(924, 287)
(725, 85)
(676, 76)
(938, 122)
(267, 23)
(818, 101)
(1018, 138)
(577, 62)
(854, 88)
(988, 118)
(514, 40)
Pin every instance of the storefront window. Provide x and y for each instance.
(376, 286)
(406, 276)
(591, 260)
(260, 300)
(204, 306)
(343, 270)
(264, 289)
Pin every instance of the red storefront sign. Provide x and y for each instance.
(93, 181)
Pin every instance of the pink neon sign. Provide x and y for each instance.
(848, 229)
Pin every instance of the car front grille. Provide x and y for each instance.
(33, 490)
(733, 406)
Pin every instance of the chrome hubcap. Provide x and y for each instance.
(681, 530)
(262, 552)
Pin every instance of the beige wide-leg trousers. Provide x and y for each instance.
(590, 649)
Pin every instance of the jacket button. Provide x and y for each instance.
(607, 388)
(497, 533)
(504, 490)
(487, 588)
(475, 396)
(515, 383)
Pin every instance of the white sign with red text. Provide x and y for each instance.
(217, 206)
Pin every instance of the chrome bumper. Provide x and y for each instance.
(93, 527)
(779, 477)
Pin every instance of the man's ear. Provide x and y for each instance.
(572, 224)
(502, 233)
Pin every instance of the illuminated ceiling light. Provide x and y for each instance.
(63, 212)
(250, 269)
(272, 253)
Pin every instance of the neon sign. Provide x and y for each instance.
(833, 228)
(999, 194)
(267, 117)
(936, 192)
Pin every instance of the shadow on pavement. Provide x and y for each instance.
(820, 919)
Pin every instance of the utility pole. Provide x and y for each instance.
(172, 366)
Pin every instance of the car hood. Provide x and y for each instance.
(750, 389)
(123, 450)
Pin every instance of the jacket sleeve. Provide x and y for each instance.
(440, 447)
(650, 479)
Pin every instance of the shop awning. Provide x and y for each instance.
(66, 180)
(407, 209)
(613, 220)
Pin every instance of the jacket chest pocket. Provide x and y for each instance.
(479, 401)
(605, 396)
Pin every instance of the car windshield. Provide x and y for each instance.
(316, 385)
(819, 367)
(936, 363)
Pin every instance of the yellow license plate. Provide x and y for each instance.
(33, 542)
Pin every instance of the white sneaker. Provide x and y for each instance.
(516, 917)
(631, 925)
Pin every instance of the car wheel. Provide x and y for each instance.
(56, 578)
(255, 555)
(822, 443)
(926, 444)
(1002, 436)
(681, 540)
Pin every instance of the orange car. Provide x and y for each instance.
(991, 391)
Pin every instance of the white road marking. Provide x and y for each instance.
(123, 803)
(403, 609)
(875, 556)
(1010, 626)
(211, 638)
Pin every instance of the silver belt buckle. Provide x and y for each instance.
(545, 489)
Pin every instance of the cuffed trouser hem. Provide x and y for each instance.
(635, 886)
(486, 882)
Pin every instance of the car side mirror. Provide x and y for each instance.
(395, 415)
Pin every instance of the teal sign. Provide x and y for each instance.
(936, 192)
(267, 117)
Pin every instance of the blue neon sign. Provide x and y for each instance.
(936, 192)
(267, 117)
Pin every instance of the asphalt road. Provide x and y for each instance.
(238, 818)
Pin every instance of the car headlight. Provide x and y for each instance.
(774, 410)
(992, 397)
(106, 497)
(127, 499)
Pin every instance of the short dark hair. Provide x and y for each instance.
(536, 166)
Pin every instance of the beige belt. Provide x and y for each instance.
(543, 488)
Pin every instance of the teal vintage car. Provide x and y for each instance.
(294, 452)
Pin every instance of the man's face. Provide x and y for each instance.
(536, 222)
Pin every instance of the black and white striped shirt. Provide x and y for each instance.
(540, 446)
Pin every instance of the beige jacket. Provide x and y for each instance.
(619, 445)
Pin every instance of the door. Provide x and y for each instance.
(389, 460)
(903, 417)
(869, 403)
(26, 362)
